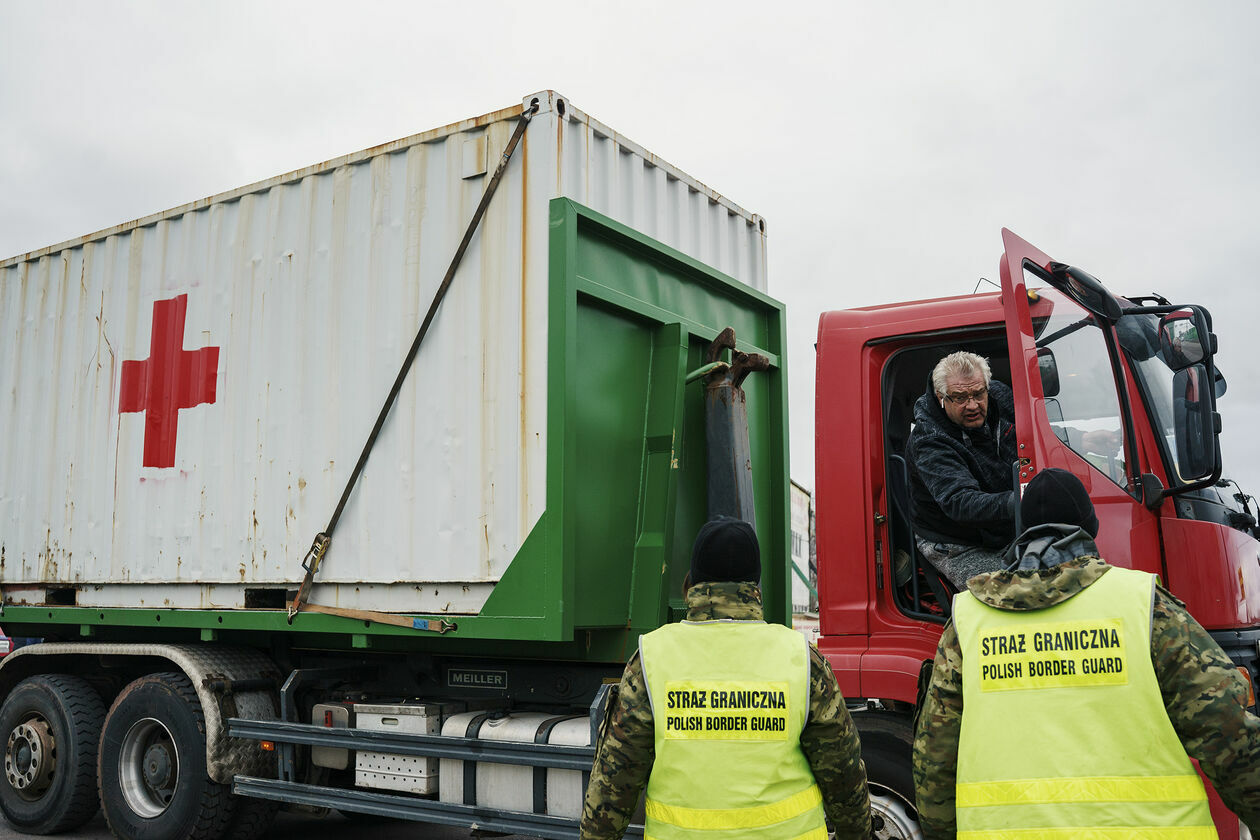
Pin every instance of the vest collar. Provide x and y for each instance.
(1046, 546)
(724, 601)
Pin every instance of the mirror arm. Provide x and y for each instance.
(1201, 483)
(1155, 310)
(1153, 492)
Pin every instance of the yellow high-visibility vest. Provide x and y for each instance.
(729, 701)
(1064, 732)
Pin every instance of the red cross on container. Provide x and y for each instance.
(170, 379)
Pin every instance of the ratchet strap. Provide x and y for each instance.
(319, 548)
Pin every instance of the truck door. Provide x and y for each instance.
(1071, 409)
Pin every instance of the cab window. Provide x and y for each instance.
(1077, 377)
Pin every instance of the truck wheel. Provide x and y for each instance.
(251, 818)
(153, 779)
(886, 742)
(52, 726)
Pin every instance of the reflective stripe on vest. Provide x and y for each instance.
(1064, 730)
(1089, 789)
(1192, 832)
(729, 701)
(754, 817)
(812, 834)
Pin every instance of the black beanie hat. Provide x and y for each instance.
(725, 549)
(1057, 496)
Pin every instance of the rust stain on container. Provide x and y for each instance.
(47, 562)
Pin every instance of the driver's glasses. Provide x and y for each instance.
(964, 397)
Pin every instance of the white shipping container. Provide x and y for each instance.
(185, 395)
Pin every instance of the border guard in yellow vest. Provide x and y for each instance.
(1066, 694)
(736, 727)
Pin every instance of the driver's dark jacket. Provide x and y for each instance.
(961, 485)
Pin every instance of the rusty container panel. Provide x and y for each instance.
(184, 395)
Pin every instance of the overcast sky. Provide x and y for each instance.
(885, 143)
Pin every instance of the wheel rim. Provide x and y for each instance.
(148, 767)
(30, 757)
(893, 817)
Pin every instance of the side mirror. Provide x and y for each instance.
(1180, 340)
(1194, 423)
(1049, 372)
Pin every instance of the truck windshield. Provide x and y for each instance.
(1082, 407)
(1139, 338)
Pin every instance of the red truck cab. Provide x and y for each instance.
(1119, 391)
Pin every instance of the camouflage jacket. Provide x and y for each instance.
(1203, 692)
(626, 748)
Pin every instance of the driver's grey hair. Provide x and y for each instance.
(960, 364)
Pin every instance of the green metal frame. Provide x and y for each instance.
(640, 315)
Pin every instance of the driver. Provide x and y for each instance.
(961, 453)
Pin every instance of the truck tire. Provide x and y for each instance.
(886, 742)
(152, 770)
(251, 818)
(51, 725)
